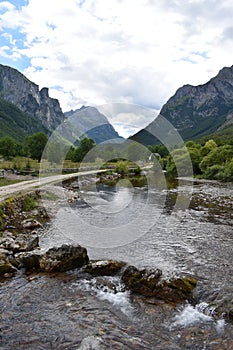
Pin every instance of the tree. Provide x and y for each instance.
(86, 145)
(7, 147)
(36, 144)
(219, 155)
(137, 151)
(54, 152)
(208, 147)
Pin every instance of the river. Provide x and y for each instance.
(180, 229)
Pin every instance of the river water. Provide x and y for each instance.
(182, 228)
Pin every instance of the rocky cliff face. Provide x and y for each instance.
(196, 111)
(17, 89)
(89, 121)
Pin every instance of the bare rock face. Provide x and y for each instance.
(17, 89)
(148, 283)
(196, 110)
(64, 258)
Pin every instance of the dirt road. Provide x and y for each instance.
(24, 186)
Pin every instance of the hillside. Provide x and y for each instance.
(24, 94)
(17, 124)
(197, 111)
(25, 109)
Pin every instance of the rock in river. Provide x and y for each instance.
(147, 282)
(64, 258)
(5, 265)
(104, 267)
(30, 224)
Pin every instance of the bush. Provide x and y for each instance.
(122, 167)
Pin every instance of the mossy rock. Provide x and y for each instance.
(104, 267)
(5, 265)
(141, 281)
(148, 283)
(64, 258)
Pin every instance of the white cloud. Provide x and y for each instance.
(96, 51)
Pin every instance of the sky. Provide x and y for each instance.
(97, 52)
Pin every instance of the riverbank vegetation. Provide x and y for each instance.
(211, 158)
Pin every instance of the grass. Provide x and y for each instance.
(20, 163)
(5, 182)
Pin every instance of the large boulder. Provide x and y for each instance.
(148, 282)
(104, 267)
(64, 258)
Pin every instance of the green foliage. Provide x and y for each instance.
(219, 155)
(54, 152)
(28, 165)
(210, 161)
(70, 153)
(28, 203)
(86, 145)
(160, 149)
(122, 167)
(17, 124)
(7, 147)
(36, 144)
(208, 147)
(136, 152)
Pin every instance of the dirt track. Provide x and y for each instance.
(24, 186)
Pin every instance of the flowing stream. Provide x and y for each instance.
(143, 226)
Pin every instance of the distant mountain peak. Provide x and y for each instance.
(88, 120)
(196, 111)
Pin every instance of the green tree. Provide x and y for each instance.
(219, 155)
(54, 152)
(208, 147)
(179, 159)
(86, 145)
(36, 144)
(160, 149)
(136, 151)
(8, 147)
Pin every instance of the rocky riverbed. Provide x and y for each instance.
(58, 297)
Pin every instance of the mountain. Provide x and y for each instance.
(26, 96)
(25, 109)
(17, 124)
(89, 121)
(196, 111)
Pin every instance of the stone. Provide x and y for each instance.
(32, 243)
(64, 258)
(5, 266)
(28, 260)
(148, 283)
(92, 343)
(141, 281)
(30, 224)
(104, 267)
(19, 243)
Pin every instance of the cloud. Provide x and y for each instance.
(95, 51)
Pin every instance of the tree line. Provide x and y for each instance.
(211, 159)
